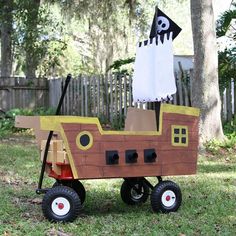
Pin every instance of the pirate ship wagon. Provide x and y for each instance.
(155, 143)
(81, 149)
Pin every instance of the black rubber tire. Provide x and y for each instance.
(74, 184)
(130, 196)
(173, 195)
(68, 195)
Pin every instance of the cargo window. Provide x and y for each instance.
(179, 135)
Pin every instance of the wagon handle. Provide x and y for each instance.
(39, 189)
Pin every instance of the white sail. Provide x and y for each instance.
(153, 78)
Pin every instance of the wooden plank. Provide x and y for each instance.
(130, 91)
(111, 98)
(116, 98)
(125, 95)
(93, 82)
(82, 96)
(191, 86)
(54, 92)
(120, 100)
(74, 97)
(98, 96)
(86, 95)
(185, 92)
(229, 102)
(78, 97)
(107, 102)
(179, 87)
(102, 94)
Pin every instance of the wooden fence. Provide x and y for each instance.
(108, 96)
(228, 98)
(105, 97)
(20, 92)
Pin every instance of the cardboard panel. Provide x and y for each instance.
(59, 143)
(140, 120)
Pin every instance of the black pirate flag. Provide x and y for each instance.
(163, 24)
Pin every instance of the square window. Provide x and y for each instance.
(183, 140)
(176, 131)
(176, 139)
(179, 135)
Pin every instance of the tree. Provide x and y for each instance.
(31, 37)
(206, 94)
(227, 59)
(109, 29)
(6, 17)
(37, 37)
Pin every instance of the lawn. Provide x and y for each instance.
(208, 207)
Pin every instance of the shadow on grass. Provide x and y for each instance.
(103, 202)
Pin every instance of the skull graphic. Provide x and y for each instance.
(162, 24)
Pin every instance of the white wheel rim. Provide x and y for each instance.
(60, 206)
(168, 198)
(135, 195)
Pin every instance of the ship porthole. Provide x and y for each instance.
(84, 140)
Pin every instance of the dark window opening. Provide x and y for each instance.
(176, 131)
(176, 139)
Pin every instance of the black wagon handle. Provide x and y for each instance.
(58, 110)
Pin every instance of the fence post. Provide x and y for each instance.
(229, 102)
(111, 99)
(98, 96)
(120, 101)
(125, 95)
(54, 92)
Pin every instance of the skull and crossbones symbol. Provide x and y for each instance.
(162, 24)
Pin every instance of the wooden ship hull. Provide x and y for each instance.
(81, 149)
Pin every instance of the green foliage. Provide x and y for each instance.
(223, 23)
(227, 68)
(81, 36)
(227, 58)
(37, 36)
(121, 66)
(212, 146)
(215, 146)
(7, 120)
(118, 122)
(103, 120)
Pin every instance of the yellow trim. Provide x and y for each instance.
(70, 158)
(190, 111)
(180, 135)
(81, 147)
(53, 122)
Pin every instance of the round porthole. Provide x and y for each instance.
(84, 140)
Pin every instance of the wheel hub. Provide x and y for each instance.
(60, 206)
(168, 198)
(136, 193)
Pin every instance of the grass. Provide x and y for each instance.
(208, 207)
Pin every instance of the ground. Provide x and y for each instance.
(208, 207)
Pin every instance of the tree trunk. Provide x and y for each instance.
(31, 38)
(206, 93)
(31, 65)
(6, 37)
